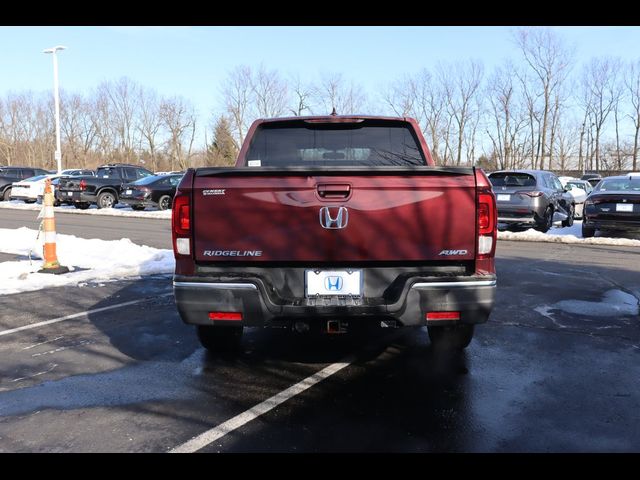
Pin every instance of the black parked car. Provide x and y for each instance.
(613, 205)
(592, 178)
(534, 198)
(8, 175)
(157, 190)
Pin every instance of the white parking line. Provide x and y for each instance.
(238, 421)
(81, 314)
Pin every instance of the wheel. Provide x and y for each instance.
(56, 203)
(587, 232)
(164, 202)
(137, 207)
(106, 200)
(6, 196)
(82, 205)
(547, 221)
(453, 337)
(569, 221)
(219, 339)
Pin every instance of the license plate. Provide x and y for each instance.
(70, 194)
(333, 282)
(624, 207)
(503, 198)
(127, 192)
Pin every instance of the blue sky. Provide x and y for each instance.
(192, 61)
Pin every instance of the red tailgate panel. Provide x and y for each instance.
(390, 218)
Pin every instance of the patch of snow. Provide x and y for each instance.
(94, 260)
(120, 210)
(571, 234)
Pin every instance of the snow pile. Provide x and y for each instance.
(571, 234)
(102, 259)
(120, 210)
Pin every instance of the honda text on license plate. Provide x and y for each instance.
(333, 282)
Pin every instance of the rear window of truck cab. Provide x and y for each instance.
(367, 143)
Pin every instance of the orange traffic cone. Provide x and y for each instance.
(51, 264)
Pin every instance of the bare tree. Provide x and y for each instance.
(149, 123)
(237, 93)
(179, 118)
(270, 93)
(507, 117)
(550, 62)
(632, 84)
(599, 80)
(302, 96)
(461, 83)
(122, 103)
(344, 97)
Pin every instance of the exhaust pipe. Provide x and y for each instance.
(336, 326)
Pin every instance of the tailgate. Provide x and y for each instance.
(356, 215)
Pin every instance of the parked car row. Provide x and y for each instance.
(104, 187)
(538, 199)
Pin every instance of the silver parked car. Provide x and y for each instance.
(534, 198)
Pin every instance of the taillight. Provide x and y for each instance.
(83, 185)
(431, 316)
(233, 316)
(181, 224)
(534, 194)
(487, 222)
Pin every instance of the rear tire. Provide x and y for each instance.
(164, 202)
(220, 339)
(6, 196)
(82, 206)
(453, 337)
(547, 221)
(569, 221)
(587, 232)
(106, 200)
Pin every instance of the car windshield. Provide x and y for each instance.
(148, 179)
(579, 185)
(512, 179)
(369, 144)
(35, 179)
(619, 184)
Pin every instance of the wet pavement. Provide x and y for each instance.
(553, 370)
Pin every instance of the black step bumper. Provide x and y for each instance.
(472, 296)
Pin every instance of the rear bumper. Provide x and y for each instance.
(612, 224)
(521, 214)
(138, 201)
(75, 197)
(195, 297)
(23, 198)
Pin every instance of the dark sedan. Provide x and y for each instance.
(613, 205)
(154, 191)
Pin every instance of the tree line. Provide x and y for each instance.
(538, 110)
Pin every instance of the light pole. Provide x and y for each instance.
(56, 98)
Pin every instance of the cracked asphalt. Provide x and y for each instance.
(555, 369)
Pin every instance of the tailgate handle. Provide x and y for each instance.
(328, 190)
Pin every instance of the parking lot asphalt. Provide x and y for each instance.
(554, 370)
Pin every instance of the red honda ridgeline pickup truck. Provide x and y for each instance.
(327, 222)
